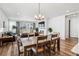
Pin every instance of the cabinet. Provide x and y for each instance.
(41, 26)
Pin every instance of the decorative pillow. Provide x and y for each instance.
(24, 35)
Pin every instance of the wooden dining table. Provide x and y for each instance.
(33, 41)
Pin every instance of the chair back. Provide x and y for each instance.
(54, 35)
(18, 45)
(53, 41)
(41, 41)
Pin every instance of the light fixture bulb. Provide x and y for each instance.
(39, 16)
(43, 17)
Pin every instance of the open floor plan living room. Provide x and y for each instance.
(39, 29)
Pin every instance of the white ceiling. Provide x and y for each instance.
(28, 10)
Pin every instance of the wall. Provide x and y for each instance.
(3, 18)
(58, 25)
(74, 22)
(73, 25)
(28, 19)
(67, 26)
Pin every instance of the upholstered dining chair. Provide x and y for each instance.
(51, 45)
(40, 46)
(21, 48)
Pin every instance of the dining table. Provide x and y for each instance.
(33, 41)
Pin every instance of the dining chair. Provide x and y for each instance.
(40, 46)
(51, 45)
(21, 48)
(54, 35)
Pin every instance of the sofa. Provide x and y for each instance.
(7, 39)
(26, 35)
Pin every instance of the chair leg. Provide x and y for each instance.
(77, 54)
(31, 53)
(50, 51)
(28, 53)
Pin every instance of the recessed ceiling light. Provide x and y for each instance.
(68, 11)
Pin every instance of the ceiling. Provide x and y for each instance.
(28, 10)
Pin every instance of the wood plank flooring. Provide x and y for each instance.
(65, 48)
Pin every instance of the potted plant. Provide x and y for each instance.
(50, 30)
(13, 27)
(36, 29)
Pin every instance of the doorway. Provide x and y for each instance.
(71, 28)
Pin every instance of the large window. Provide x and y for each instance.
(21, 26)
(12, 26)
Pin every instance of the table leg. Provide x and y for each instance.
(25, 51)
(58, 44)
(1, 43)
(28, 37)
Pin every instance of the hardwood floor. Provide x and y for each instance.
(65, 48)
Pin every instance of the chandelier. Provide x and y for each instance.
(39, 16)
